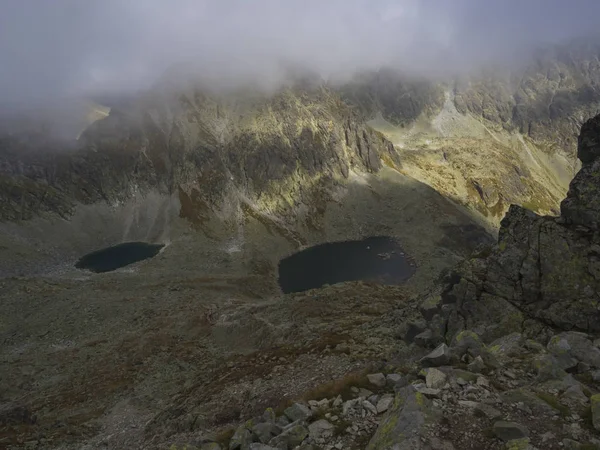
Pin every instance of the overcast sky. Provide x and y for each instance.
(52, 48)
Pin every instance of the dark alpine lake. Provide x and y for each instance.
(121, 255)
(379, 259)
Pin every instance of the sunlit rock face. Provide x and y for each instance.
(545, 271)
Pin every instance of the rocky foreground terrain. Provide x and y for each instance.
(516, 363)
(198, 348)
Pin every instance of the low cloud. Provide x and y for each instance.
(51, 50)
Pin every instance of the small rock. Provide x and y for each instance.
(414, 328)
(241, 439)
(323, 403)
(428, 392)
(435, 378)
(486, 410)
(439, 357)
(477, 365)
(212, 446)
(338, 401)
(574, 397)
(290, 438)
(571, 347)
(364, 393)
(282, 421)
(269, 415)
(377, 379)
(438, 444)
(425, 339)
(348, 405)
(548, 368)
(570, 444)
(430, 306)
(384, 403)
(508, 346)
(595, 402)
(467, 403)
(369, 407)
(533, 346)
(583, 367)
(297, 412)
(259, 446)
(548, 436)
(266, 431)
(508, 431)
(469, 342)
(518, 444)
(392, 378)
(319, 428)
(483, 381)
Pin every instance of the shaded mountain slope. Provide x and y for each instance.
(172, 142)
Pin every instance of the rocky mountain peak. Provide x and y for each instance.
(582, 205)
(544, 273)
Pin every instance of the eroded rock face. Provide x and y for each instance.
(542, 99)
(543, 268)
(269, 149)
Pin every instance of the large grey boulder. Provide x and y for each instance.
(290, 438)
(572, 347)
(404, 424)
(595, 407)
(508, 346)
(376, 379)
(548, 368)
(298, 411)
(242, 438)
(266, 431)
(507, 431)
(213, 446)
(319, 428)
(435, 378)
(439, 357)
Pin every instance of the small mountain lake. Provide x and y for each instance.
(118, 256)
(379, 259)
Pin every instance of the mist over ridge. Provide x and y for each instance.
(55, 50)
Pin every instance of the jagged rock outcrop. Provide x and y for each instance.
(401, 99)
(547, 100)
(205, 148)
(543, 274)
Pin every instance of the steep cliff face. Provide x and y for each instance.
(400, 99)
(547, 100)
(544, 273)
(525, 118)
(268, 151)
